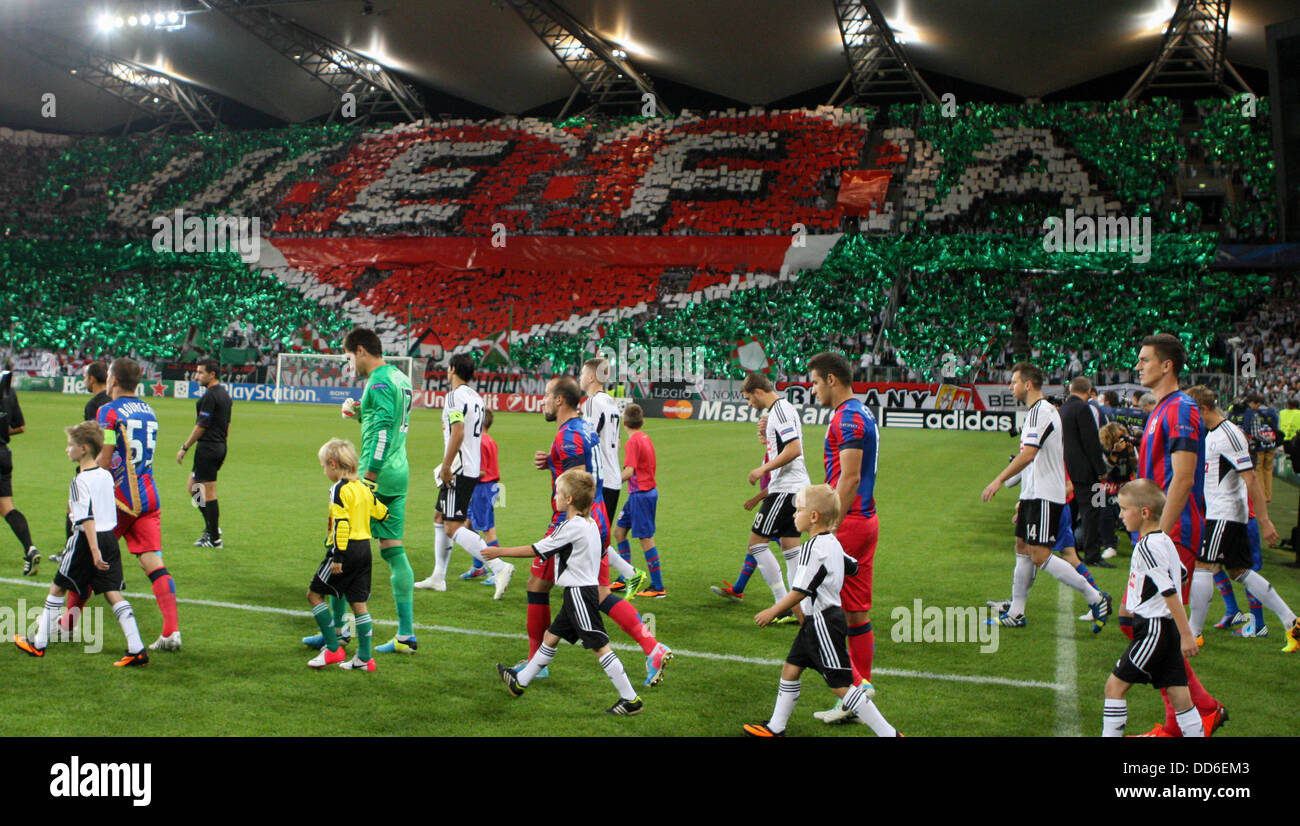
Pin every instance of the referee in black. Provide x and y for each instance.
(96, 376)
(209, 434)
(97, 386)
(11, 424)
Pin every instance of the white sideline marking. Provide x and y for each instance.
(1067, 692)
(474, 632)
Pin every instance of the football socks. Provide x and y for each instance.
(746, 571)
(18, 523)
(403, 581)
(539, 618)
(1061, 570)
(862, 647)
(211, 518)
(652, 565)
(536, 663)
(1266, 594)
(1086, 574)
(1114, 717)
(787, 695)
(53, 605)
(164, 590)
(1022, 578)
(365, 637)
(1198, 603)
(322, 614)
(126, 619)
(769, 569)
(613, 667)
(622, 612)
(1225, 590)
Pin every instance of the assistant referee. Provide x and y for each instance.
(210, 431)
(11, 424)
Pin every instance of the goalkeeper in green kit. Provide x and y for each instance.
(385, 414)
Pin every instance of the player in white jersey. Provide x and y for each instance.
(602, 414)
(1229, 478)
(462, 432)
(787, 475)
(1161, 634)
(574, 545)
(816, 582)
(1041, 467)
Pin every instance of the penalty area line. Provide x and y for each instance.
(475, 632)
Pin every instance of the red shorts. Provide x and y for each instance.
(545, 569)
(858, 536)
(142, 533)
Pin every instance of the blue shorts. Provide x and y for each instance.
(1065, 532)
(482, 516)
(639, 513)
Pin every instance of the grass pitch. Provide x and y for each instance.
(243, 671)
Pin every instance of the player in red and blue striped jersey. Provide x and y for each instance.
(850, 455)
(1172, 454)
(574, 445)
(130, 436)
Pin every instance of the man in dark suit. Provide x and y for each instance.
(1086, 465)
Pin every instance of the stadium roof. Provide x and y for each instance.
(477, 57)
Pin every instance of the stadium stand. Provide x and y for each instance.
(995, 171)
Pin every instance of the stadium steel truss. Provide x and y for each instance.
(380, 95)
(170, 101)
(1193, 52)
(601, 69)
(878, 64)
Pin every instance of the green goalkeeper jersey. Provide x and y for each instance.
(385, 417)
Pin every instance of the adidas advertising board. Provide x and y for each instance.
(988, 421)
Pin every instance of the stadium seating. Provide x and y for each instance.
(1240, 146)
(143, 302)
(994, 168)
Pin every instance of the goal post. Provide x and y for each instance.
(315, 378)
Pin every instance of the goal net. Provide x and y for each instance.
(311, 378)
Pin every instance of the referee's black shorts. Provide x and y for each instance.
(208, 459)
(6, 472)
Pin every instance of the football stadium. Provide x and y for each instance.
(824, 368)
